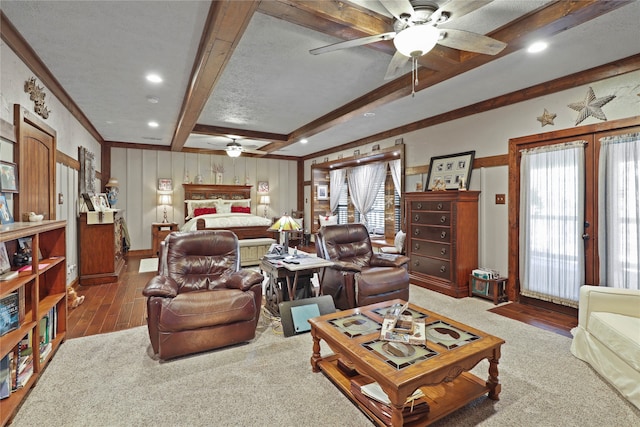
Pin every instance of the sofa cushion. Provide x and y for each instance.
(193, 310)
(620, 333)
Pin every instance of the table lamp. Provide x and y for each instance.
(285, 224)
(165, 200)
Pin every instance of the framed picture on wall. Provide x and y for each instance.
(165, 184)
(453, 171)
(323, 192)
(263, 186)
(9, 177)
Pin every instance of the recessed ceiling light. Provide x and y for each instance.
(153, 99)
(538, 46)
(304, 141)
(154, 78)
(369, 114)
(153, 124)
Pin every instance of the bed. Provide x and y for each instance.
(228, 207)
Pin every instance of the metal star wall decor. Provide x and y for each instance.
(546, 118)
(591, 106)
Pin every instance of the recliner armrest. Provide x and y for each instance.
(161, 286)
(345, 266)
(388, 260)
(243, 280)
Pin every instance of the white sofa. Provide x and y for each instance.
(608, 336)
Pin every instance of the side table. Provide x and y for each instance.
(160, 230)
(492, 289)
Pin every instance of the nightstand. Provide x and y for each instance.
(492, 289)
(160, 230)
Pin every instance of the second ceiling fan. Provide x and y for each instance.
(415, 32)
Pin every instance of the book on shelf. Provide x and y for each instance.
(5, 376)
(375, 392)
(29, 267)
(9, 312)
(8, 275)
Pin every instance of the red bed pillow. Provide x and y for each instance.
(203, 211)
(241, 209)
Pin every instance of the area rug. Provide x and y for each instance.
(148, 264)
(113, 380)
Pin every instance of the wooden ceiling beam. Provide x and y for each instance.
(225, 25)
(243, 133)
(546, 21)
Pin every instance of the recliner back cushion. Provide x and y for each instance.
(198, 259)
(347, 242)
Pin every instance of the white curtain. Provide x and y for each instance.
(552, 223)
(336, 181)
(364, 182)
(619, 211)
(396, 173)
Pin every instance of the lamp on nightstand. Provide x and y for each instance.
(265, 200)
(165, 200)
(285, 225)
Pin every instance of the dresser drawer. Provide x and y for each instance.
(431, 249)
(421, 205)
(431, 266)
(432, 218)
(438, 234)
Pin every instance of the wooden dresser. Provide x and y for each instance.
(442, 239)
(100, 249)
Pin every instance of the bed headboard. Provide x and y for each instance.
(212, 191)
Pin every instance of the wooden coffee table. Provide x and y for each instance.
(439, 368)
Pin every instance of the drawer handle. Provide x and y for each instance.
(443, 251)
(419, 206)
(443, 269)
(416, 263)
(443, 219)
(417, 246)
(443, 235)
(439, 206)
(416, 232)
(416, 218)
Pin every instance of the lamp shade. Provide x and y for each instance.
(285, 223)
(113, 182)
(416, 40)
(265, 200)
(164, 199)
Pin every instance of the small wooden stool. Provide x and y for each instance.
(492, 289)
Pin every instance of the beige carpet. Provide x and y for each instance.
(148, 264)
(111, 380)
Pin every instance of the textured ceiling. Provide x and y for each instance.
(100, 51)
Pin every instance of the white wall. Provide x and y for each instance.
(70, 135)
(488, 134)
(138, 172)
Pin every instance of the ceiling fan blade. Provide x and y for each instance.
(457, 8)
(472, 42)
(353, 43)
(395, 67)
(398, 7)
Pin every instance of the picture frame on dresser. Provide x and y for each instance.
(454, 170)
(9, 177)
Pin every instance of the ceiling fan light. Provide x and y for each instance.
(234, 149)
(416, 40)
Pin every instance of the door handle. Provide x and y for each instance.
(585, 236)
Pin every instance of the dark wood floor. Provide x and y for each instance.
(117, 306)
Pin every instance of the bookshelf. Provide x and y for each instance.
(43, 302)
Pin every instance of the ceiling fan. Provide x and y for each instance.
(415, 32)
(234, 148)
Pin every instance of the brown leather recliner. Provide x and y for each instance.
(200, 299)
(359, 276)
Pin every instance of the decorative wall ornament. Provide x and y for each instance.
(546, 118)
(37, 96)
(87, 171)
(591, 106)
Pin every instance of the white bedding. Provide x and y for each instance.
(226, 220)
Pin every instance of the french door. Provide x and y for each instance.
(553, 213)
